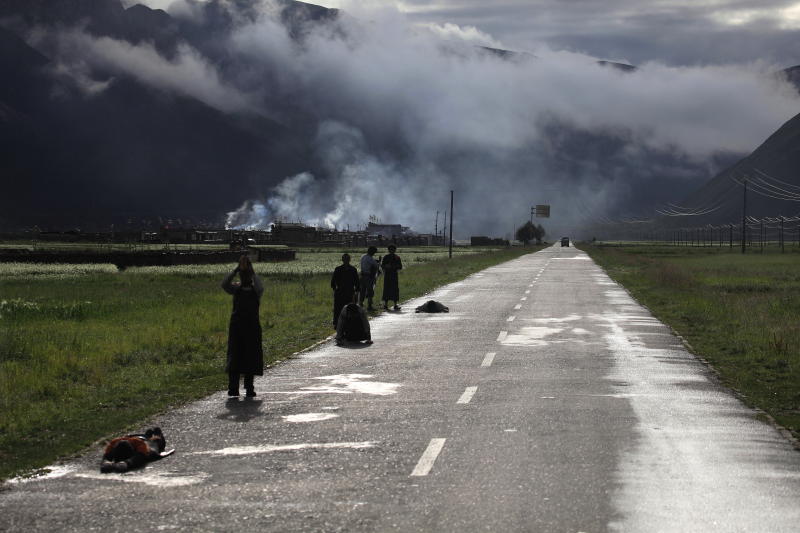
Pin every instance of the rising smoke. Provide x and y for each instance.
(402, 114)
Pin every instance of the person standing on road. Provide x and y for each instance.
(370, 269)
(345, 285)
(391, 266)
(245, 352)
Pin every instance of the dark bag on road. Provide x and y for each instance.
(432, 306)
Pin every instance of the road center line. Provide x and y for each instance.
(528, 291)
(502, 336)
(469, 392)
(523, 298)
(510, 319)
(488, 359)
(518, 306)
(428, 457)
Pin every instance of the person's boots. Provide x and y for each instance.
(250, 391)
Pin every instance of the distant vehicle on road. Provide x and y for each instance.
(564, 241)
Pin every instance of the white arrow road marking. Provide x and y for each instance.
(428, 457)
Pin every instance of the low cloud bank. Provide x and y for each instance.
(402, 114)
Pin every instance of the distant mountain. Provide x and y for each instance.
(624, 67)
(792, 74)
(129, 151)
(772, 167)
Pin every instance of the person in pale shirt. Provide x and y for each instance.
(370, 269)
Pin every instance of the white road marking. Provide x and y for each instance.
(488, 359)
(523, 298)
(346, 384)
(469, 392)
(154, 479)
(510, 319)
(528, 291)
(428, 457)
(51, 472)
(518, 306)
(309, 417)
(547, 397)
(269, 448)
(502, 336)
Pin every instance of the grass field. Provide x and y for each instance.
(87, 351)
(309, 261)
(739, 312)
(87, 247)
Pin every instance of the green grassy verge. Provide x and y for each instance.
(87, 356)
(739, 312)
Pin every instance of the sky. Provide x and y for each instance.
(672, 32)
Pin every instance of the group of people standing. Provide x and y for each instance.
(245, 352)
(349, 286)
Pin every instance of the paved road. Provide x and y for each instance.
(546, 400)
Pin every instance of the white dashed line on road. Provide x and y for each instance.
(528, 291)
(511, 319)
(518, 306)
(469, 392)
(523, 298)
(428, 457)
(502, 336)
(488, 359)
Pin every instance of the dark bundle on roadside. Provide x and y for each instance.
(432, 306)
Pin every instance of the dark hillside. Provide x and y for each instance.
(772, 166)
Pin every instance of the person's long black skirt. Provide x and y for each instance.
(339, 301)
(245, 352)
(391, 286)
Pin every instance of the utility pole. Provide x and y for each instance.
(436, 227)
(444, 229)
(783, 249)
(533, 210)
(451, 224)
(744, 216)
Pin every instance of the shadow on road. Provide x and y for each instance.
(242, 409)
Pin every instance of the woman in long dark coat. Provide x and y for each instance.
(391, 266)
(245, 353)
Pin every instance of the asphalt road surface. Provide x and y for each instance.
(546, 400)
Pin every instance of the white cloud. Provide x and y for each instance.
(188, 73)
